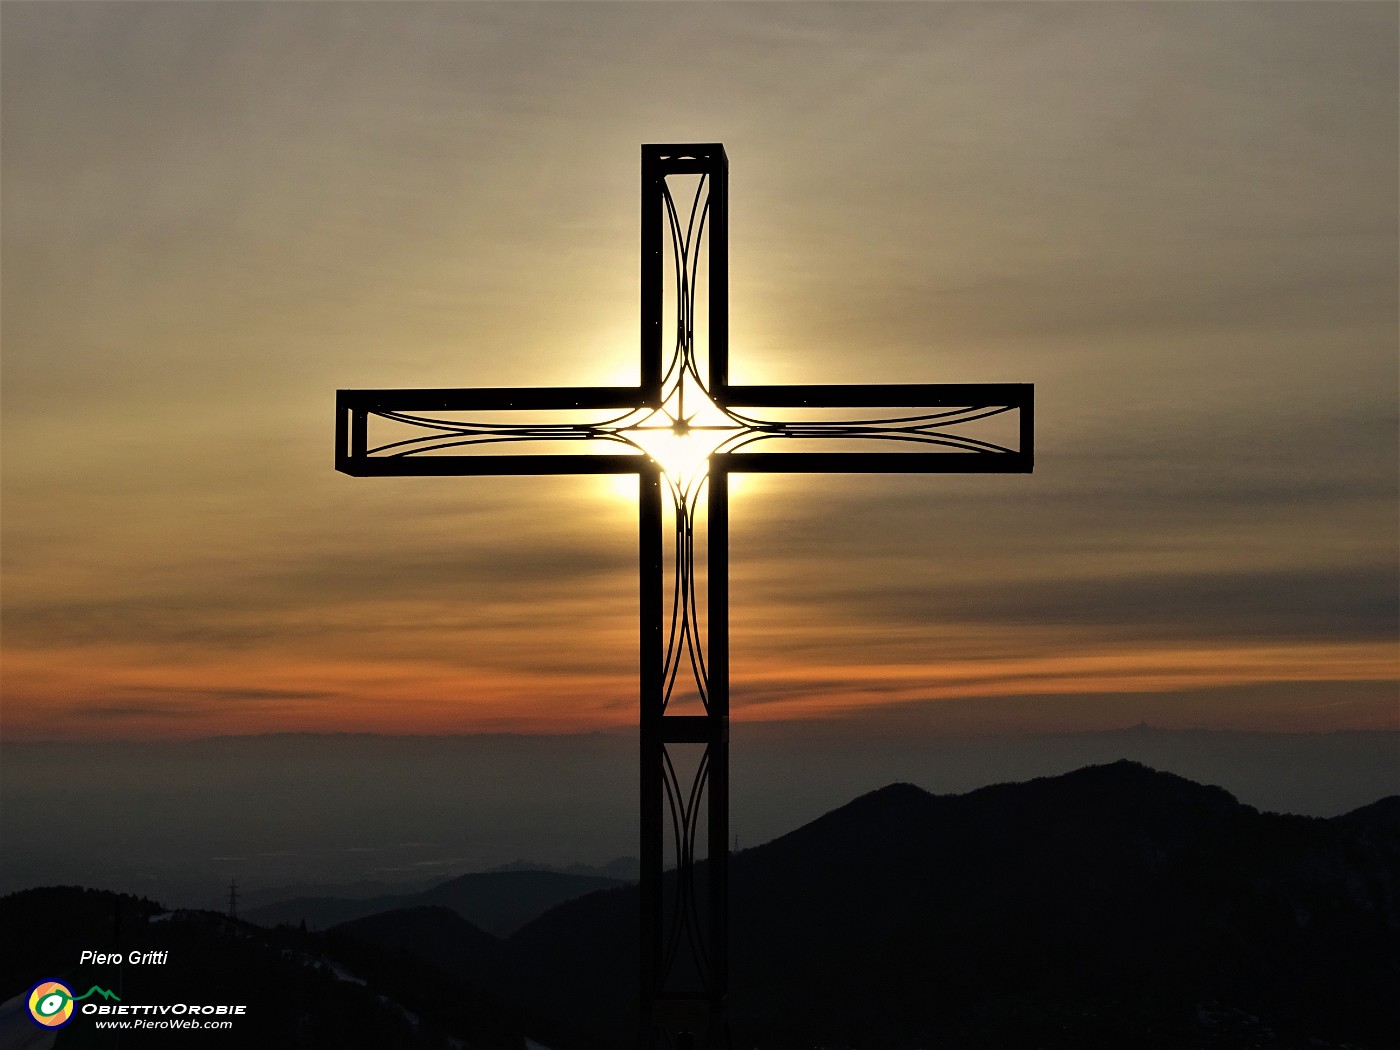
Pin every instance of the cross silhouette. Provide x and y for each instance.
(683, 431)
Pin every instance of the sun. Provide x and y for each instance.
(682, 434)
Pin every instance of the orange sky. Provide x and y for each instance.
(1178, 221)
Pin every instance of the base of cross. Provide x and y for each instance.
(685, 1023)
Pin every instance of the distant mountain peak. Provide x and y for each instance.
(1124, 768)
(1126, 779)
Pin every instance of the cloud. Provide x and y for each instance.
(217, 693)
(1343, 604)
(125, 710)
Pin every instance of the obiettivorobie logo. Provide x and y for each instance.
(51, 1002)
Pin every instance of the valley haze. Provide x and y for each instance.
(288, 813)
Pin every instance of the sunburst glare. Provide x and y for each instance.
(683, 433)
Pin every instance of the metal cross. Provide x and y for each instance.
(683, 431)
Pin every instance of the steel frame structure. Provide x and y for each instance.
(684, 928)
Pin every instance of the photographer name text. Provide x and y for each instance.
(137, 958)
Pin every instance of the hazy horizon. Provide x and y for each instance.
(176, 820)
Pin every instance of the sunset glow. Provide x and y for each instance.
(1178, 221)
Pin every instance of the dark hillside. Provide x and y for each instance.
(499, 902)
(1114, 906)
(437, 936)
(300, 990)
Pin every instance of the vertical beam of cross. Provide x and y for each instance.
(682, 431)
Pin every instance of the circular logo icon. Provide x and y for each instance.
(51, 1004)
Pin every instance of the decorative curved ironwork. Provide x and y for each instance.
(684, 631)
(685, 926)
(631, 433)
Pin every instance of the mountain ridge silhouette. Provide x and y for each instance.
(1114, 906)
(1108, 904)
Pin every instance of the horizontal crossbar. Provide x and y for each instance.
(873, 462)
(799, 395)
(495, 399)
(731, 463)
(688, 729)
(876, 395)
(353, 407)
(472, 466)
